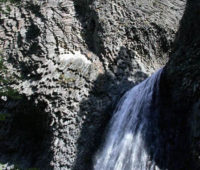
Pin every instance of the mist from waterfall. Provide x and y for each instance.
(124, 147)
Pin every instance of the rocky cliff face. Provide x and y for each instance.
(181, 77)
(66, 63)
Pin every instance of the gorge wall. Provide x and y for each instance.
(64, 66)
(182, 75)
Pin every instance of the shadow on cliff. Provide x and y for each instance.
(170, 146)
(99, 106)
(108, 88)
(167, 139)
(25, 138)
(92, 28)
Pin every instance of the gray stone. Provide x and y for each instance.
(106, 47)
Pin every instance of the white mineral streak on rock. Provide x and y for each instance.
(73, 57)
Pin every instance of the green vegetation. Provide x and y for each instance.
(16, 167)
(5, 81)
(1, 166)
(64, 79)
(11, 1)
(7, 8)
(3, 117)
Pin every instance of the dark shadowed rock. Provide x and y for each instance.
(182, 75)
(72, 61)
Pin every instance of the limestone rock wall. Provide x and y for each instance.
(71, 61)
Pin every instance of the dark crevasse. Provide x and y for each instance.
(137, 139)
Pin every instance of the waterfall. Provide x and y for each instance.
(124, 147)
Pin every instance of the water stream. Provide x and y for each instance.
(124, 147)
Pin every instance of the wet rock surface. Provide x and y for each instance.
(72, 61)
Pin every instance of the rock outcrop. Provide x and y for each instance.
(68, 63)
(181, 78)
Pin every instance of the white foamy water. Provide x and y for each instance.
(124, 147)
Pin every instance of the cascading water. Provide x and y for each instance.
(124, 147)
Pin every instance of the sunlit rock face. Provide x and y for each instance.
(71, 62)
